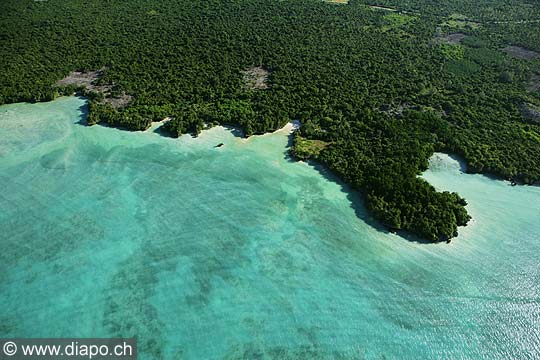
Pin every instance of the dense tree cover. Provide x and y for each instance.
(375, 94)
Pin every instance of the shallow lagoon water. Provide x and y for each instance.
(237, 252)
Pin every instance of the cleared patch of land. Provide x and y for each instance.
(519, 52)
(80, 78)
(88, 79)
(118, 101)
(398, 110)
(531, 112)
(256, 78)
(451, 39)
(394, 110)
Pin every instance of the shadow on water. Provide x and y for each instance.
(233, 130)
(83, 110)
(287, 153)
(290, 142)
(288, 156)
(162, 132)
(236, 131)
(461, 161)
(358, 204)
(354, 196)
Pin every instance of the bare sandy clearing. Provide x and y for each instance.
(79, 78)
(519, 52)
(118, 101)
(452, 39)
(256, 78)
(87, 81)
(531, 112)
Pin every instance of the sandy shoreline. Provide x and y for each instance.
(157, 124)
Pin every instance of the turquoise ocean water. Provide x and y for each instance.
(238, 252)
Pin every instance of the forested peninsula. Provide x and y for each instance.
(377, 86)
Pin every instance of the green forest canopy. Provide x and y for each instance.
(377, 90)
